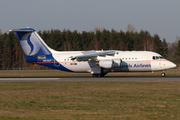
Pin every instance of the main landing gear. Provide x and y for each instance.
(97, 75)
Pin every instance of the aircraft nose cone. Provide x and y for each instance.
(172, 65)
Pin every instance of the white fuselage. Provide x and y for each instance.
(131, 61)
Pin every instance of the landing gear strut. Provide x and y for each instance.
(100, 73)
(163, 74)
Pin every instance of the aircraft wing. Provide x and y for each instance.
(92, 54)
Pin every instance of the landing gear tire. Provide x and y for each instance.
(95, 75)
(163, 74)
(102, 75)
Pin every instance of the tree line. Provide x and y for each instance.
(13, 57)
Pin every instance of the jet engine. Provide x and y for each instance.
(117, 63)
(113, 63)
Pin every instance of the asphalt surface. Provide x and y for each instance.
(167, 78)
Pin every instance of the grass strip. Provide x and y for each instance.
(90, 100)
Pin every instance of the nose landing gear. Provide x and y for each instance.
(163, 74)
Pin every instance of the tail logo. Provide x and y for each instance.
(30, 44)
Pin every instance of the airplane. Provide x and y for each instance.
(98, 63)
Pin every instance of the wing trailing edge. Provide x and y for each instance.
(92, 55)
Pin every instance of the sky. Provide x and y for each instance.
(160, 17)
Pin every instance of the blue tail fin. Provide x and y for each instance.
(32, 43)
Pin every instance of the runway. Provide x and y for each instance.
(168, 78)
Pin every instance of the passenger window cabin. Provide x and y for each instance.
(128, 58)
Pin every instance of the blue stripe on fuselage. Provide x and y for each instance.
(52, 65)
(48, 61)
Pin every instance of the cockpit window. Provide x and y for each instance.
(161, 57)
(157, 57)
